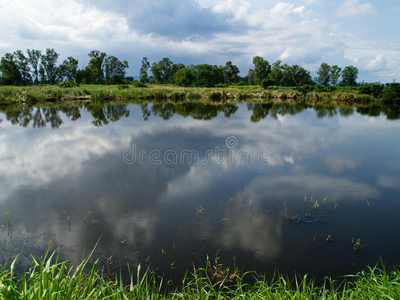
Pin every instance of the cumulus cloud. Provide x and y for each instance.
(355, 8)
(193, 31)
(377, 63)
(338, 163)
(175, 19)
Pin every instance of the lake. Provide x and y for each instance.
(261, 186)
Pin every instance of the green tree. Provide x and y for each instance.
(276, 73)
(261, 69)
(49, 65)
(349, 76)
(208, 75)
(251, 77)
(115, 69)
(336, 72)
(163, 71)
(185, 77)
(68, 69)
(23, 66)
(324, 74)
(10, 74)
(94, 72)
(231, 73)
(295, 76)
(143, 70)
(34, 57)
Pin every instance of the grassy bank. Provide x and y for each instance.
(49, 278)
(172, 93)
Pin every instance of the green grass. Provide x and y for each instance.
(49, 278)
(12, 94)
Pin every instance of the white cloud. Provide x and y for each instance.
(200, 31)
(338, 163)
(355, 8)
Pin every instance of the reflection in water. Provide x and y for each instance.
(73, 185)
(103, 113)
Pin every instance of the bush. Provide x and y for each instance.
(68, 83)
(138, 84)
(305, 89)
(123, 87)
(371, 89)
(324, 88)
(391, 94)
(267, 82)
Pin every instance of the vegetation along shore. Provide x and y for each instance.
(36, 76)
(311, 95)
(50, 278)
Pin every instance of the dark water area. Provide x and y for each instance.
(263, 186)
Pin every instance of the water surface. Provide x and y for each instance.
(264, 186)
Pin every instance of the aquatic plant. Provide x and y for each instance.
(49, 278)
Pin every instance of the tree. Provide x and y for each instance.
(34, 57)
(143, 70)
(208, 75)
(336, 72)
(163, 71)
(49, 61)
(94, 72)
(185, 77)
(231, 73)
(115, 69)
(261, 69)
(349, 76)
(295, 76)
(251, 77)
(23, 66)
(276, 73)
(324, 74)
(9, 71)
(68, 69)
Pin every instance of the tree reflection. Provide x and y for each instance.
(38, 119)
(103, 113)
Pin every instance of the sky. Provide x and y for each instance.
(362, 33)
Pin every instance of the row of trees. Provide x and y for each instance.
(331, 74)
(204, 75)
(34, 67)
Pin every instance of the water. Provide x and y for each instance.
(169, 185)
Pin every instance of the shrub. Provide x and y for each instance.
(392, 93)
(324, 88)
(68, 83)
(371, 89)
(267, 82)
(138, 84)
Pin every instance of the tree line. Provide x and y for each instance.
(35, 67)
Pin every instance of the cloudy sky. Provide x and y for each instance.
(363, 33)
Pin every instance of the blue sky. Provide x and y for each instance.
(363, 33)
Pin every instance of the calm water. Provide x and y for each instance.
(169, 185)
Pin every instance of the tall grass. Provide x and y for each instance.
(337, 98)
(49, 278)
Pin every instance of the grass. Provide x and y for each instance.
(49, 278)
(12, 94)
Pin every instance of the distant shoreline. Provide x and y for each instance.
(347, 97)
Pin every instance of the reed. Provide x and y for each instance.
(49, 278)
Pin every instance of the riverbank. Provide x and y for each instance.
(339, 97)
(49, 278)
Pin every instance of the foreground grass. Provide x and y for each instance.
(48, 278)
(9, 94)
